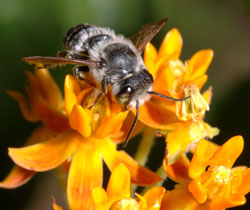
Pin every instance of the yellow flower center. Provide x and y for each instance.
(222, 174)
(177, 69)
(125, 204)
(96, 113)
(217, 181)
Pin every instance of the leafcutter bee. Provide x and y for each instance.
(112, 61)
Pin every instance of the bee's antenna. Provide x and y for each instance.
(133, 125)
(167, 97)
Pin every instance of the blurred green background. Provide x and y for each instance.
(29, 28)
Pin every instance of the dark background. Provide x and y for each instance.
(37, 27)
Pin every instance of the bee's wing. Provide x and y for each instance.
(58, 61)
(146, 34)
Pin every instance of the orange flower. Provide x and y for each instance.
(117, 195)
(86, 144)
(209, 181)
(44, 103)
(185, 137)
(176, 79)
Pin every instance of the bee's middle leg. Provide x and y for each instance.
(95, 98)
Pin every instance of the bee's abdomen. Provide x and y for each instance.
(83, 37)
(73, 34)
(92, 41)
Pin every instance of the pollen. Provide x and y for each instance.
(178, 68)
(221, 174)
(125, 204)
(217, 181)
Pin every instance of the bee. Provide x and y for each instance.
(112, 61)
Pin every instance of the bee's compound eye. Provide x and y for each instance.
(126, 90)
(125, 95)
(129, 89)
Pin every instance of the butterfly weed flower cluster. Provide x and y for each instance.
(77, 133)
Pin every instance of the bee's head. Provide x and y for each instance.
(133, 91)
(133, 88)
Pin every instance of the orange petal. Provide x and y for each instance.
(40, 134)
(198, 191)
(178, 171)
(142, 201)
(178, 142)
(16, 178)
(165, 80)
(212, 146)
(80, 120)
(207, 95)
(227, 154)
(111, 124)
(33, 89)
(71, 90)
(180, 198)
(86, 90)
(119, 183)
(200, 81)
(244, 187)
(85, 173)
(139, 175)
(198, 64)
(52, 91)
(54, 205)
(171, 45)
(120, 135)
(150, 56)
(156, 116)
(154, 197)
(46, 155)
(53, 118)
(99, 195)
(227, 202)
(202, 154)
(23, 104)
(19, 176)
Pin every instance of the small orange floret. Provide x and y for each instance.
(178, 79)
(117, 195)
(212, 182)
(84, 144)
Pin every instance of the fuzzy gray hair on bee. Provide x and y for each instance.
(112, 61)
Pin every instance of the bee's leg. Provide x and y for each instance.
(105, 83)
(81, 72)
(96, 97)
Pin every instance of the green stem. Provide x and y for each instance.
(161, 172)
(144, 149)
(145, 146)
